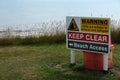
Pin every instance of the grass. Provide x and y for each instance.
(45, 57)
(32, 40)
(50, 62)
(57, 37)
(45, 33)
(115, 34)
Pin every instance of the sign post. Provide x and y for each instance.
(72, 57)
(88, 34)
(105, 62)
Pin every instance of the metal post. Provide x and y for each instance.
(105, 62)
(72, 57)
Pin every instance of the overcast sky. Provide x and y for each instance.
(35, 11)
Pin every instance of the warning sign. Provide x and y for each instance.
(97, 25)
(73, 26)
(89, 37)
(88, 34)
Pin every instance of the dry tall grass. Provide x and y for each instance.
(46, 33)
(115, 31)
(42, 33)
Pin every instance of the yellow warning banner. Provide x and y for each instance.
(97, 25)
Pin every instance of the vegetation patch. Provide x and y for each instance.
(53, 32)
(50, 62)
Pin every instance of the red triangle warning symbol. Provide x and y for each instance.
(73, 26)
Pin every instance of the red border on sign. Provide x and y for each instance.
(89, 37)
